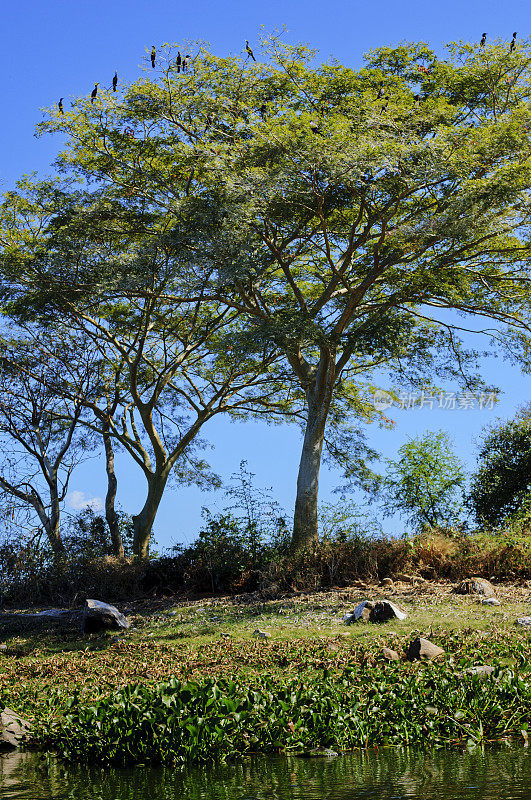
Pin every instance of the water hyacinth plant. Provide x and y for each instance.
(217, 720)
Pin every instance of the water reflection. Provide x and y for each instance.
(386, 775)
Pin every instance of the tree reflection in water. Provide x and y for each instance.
(389, 774)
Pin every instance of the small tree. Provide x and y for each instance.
(502, 481)
(425, 483)
(260, 518)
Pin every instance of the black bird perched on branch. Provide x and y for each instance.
(248, 50)
(263, 110)
(483, 40)
(209, 120)
(380, 91)
(314, 127)
(513, 42)
(94, 92)
(115, 81)
(60, 106)
(153, 55)
(178, 61)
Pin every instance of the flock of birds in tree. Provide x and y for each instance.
(182, 64)
(426, 71)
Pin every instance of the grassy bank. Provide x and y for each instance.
(310, 651)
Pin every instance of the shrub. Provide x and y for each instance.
(455, 554)
(337, 561)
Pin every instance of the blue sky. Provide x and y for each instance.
(58, 48)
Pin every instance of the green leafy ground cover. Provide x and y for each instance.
(191, 683)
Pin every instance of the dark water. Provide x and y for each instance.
(492, 775)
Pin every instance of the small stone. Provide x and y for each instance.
(318, 752)
(490, 601)
(261, 634)
(475, 586)
(482, 671)
(525, 621)
(423, 650)
(390, 655)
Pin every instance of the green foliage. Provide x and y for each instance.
(87, 535)
(223, 552)
(221, 720)
(425, 482)
(31, 574)
(501, 485)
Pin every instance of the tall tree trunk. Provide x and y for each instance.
(143, 522)
(54, 537)
(318, 398)
(112, 484)
(50, 522)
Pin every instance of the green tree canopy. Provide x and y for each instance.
(425, 482)
(339, 223)
(502, 481)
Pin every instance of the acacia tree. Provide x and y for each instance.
(112, 283)
(331, 207)
(41, 437)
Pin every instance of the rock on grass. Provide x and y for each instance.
(99, 616)
(423, 650)
(375, 611)
(475, 586)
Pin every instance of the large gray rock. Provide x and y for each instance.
(99, 616)
(423, 650)
(13, 729)
(475, 586)
(385, 610)
(371, 611)
(362, 611)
